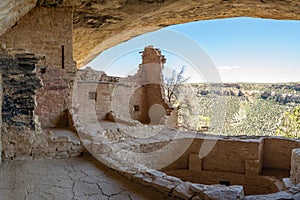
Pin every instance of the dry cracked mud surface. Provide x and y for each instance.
(81, 178)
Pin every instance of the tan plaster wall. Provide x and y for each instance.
(277, 152)
(44, 31)
(111, 96)
(81, 99)
(139, 98)
(119, 97)
(104, 98)
(226, 156)
(244, 162)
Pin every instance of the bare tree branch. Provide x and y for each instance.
(172, 82)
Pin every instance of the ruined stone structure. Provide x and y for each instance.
(41, 41)
(48, 31)
(138, 97)
(22, 136)
(258, 164)
(19, 83)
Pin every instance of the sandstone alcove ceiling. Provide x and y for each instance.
(12, 11)
(122, 20)
(101, 24)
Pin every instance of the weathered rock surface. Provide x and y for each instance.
(48, 31)
(12, 10)
(99, 25)
(281, 98)
(19, 83)
(292, 194)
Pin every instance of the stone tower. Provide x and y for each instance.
(150, 70)
(148, 104)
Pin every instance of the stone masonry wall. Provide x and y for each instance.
(130, 97)
(173, 186)
(241, 162)
(236, 156)
(295, 166)
(139, 98)
(244, 156)
(48, 31)
(253, 184)
(149, 79)
(19, 83)
(277, 152)
(111, 95)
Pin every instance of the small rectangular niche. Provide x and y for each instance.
(226, 183)
(136, 108)
(63, 57)
(93, 96)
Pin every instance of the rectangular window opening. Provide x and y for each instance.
(226, 183)
(93, 96)
(136, 108)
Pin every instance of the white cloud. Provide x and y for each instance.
(227, 68)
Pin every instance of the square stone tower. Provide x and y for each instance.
(148, 101)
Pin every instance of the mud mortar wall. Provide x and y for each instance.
(277, 152)
(135, 97)
(48, 31)
(241, 162)
(237, 156)
(19, 83)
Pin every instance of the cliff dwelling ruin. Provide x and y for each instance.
(71, 133)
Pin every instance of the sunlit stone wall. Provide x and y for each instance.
(48, 31)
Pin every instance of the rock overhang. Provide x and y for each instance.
(99, 25)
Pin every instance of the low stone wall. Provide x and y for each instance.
(153, 179)
(59, 143)
(242, 156)
(253, 184)
(295, 166)
(166, 184)
(277, 152)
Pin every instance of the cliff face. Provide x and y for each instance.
(12, 10)
(248, 108)
(101, 24)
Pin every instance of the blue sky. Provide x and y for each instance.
(230, 50)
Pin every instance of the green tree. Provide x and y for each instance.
(202, 124)
(290, 126)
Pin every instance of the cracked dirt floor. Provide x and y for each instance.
(81, 178)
